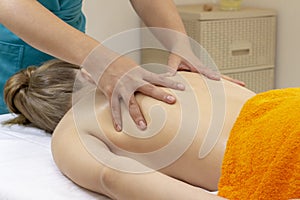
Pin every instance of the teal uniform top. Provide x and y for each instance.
(15, 54)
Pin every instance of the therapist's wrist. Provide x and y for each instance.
(81, 48)
(98, 60)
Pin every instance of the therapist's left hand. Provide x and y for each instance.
(189, 62)
(193, 64)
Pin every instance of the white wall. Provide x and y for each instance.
(106, 18)
(288, 42)
(109, 17)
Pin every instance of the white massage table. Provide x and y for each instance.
(27, 170)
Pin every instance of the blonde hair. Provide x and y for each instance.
(41, 95)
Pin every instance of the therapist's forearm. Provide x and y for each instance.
(43, 30)
(159, 13)
(163, 14)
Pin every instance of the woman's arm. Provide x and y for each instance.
(159, 13)
(152, 185)
(43, 30)
(85, 159)
(171, 33)
(162, 14)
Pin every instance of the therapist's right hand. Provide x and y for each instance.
(123, 78)
(119, 77)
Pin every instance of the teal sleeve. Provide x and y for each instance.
(15, 54)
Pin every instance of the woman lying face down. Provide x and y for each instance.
(179, 153)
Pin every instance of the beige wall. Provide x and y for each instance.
(106, 18)
(288, 42)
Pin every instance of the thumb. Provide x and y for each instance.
(173, 63)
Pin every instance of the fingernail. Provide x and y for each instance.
(215, 76)
(180, 86)
(118, 127)
(142, 125)
(170, 98)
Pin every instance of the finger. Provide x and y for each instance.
(173, 63)
(116, 113)
(157, 93)
(196, 66)
(176, 62)
(162, 80)
(136, 114)
(209, 73)
(241, 83)
(185, 67)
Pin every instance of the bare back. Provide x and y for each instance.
(176, 134)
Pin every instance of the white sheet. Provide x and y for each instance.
(27, 170)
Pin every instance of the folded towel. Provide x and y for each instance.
(262, 158)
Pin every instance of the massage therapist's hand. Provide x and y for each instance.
(123, 78)
(190, 63)
(120, 78)
(193, 64)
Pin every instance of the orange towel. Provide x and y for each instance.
(262, 159)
